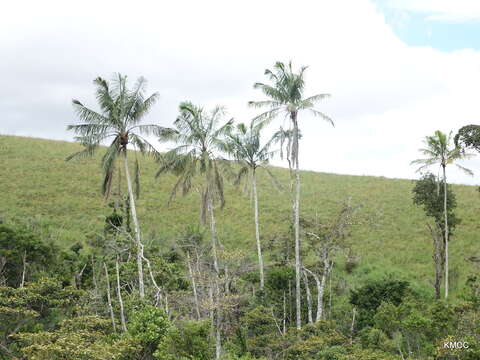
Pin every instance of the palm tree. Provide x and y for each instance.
(439, 151)
(245, 146)
(195, 161)
(199, 136)
(118, 121)
(286, 96)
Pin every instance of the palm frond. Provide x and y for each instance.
(88, 115)
(89, 151)
(322, 116)
(465, 170)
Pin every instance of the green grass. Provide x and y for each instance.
(37, 183)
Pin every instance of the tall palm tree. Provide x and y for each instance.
(439, 151)
(199, 136)
(245, 146)
(118, 122)
(285, 95)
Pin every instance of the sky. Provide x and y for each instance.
(397, 70)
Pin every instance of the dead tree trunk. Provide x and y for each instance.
(194, 286)
(119, 295)
(309, 297)
(24, 259)
(109, 299)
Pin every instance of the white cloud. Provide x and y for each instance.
(448, 11)
(386, 95)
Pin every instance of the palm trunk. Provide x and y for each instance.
(296, 212)
(446, 229)
(213, 230)
(119, 294)
(284, 313)
(218, 339)
(133, 210)
(109, 299)
(194, 286)
(216, 312)
(438, 239)
(257, 231)
(309, 297)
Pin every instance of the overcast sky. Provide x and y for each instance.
(397, 70)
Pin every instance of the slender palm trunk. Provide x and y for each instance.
(109, 299)
(194, 286)
(296, 215)
(217, 310)
(446, 228)
(257, 230)
(213, 230)
(119, 294)
(218, 338)
(133, 210)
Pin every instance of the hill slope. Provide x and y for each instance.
(37, 182)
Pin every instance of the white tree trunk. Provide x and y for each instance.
(446, 229)
(352, 326)
(296, 213)
(309, 297)
(133, 211)
(320, 291)
(24, 259)
(284, 313)
(257, 231)
(218, 340)
(320, 295)
(109, 299)
(194, 286)
(119, 295)
(213, 230)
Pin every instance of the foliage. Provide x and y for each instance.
(21, 247)
(82, 338)
(189, 340)
(149, 326)
(468, 137)
(428, 193)
(370, 296)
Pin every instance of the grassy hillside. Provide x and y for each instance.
(37, 182)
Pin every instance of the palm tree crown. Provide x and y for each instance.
(118, 121)
(195, 161)
(286, 95)
(245, 146)
(439, 151)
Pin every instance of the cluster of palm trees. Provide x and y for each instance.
(203, 142)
